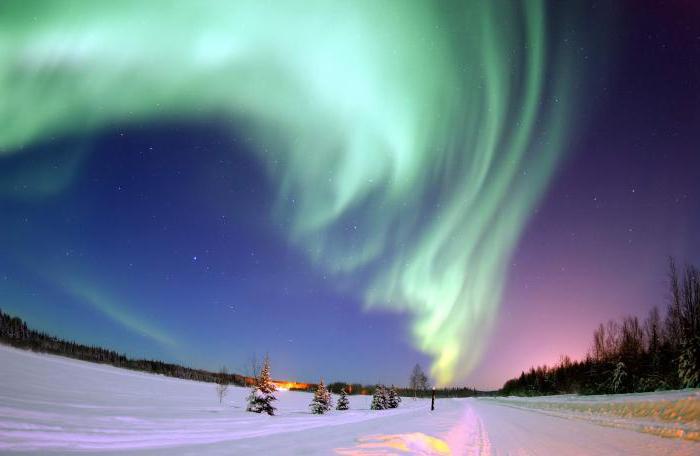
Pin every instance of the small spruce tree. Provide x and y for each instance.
(393, 398)
(321, 402)
(262, 394)
(329, 396)
(379, 398)
(343, 402)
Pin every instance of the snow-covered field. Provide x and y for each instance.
(50, 404)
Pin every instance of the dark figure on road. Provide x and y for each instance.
(432, 404)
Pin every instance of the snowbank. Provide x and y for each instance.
(666, 413)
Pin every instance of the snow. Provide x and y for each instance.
(667, 413)
(50, 404)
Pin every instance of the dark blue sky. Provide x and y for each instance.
(167, 222)
(156, 238)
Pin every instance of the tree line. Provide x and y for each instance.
(369, 390)
(15, 332)
(659, 353)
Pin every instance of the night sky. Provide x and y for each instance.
(350, 188)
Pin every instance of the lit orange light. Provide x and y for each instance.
(286, 386)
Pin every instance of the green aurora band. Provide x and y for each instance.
(408, 141)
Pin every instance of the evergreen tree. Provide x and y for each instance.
(689, 319)
(329, 398)
(379, 398)
(689, 362)
(619, 377)
(322, 401)
(262, 394)
(343, 402)
(393, 398)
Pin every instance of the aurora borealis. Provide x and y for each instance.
(396, 154)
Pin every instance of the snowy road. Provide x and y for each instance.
(55, 405)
